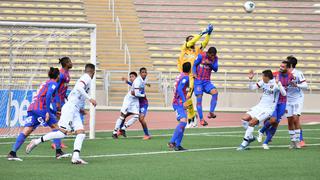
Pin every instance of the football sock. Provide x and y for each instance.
(248, 135)
(19, 141)
(78, 142)
(213, 103)
(57, 142)
(199, 108)
(301, 135)
(181, 129)
(297, 132)
(50, 136)
(146, 131)
(265, 127)
(292, 135)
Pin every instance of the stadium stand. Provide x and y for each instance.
(111, 57)
(245, 41)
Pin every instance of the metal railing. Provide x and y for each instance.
(127, 57)
(119, 32)
(111, 7)
(166, 84)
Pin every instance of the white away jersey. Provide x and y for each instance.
(138, 84)
(79, 93)
(295, 93)
(270, 96)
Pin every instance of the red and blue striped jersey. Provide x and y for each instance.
(180, 88)
(202, 69)
(63, 85)
(285, 79)
(44, 96)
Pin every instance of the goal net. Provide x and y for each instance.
(27, 50)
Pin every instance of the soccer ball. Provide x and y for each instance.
(249, 6)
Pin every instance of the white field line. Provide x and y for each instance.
(160, 152)
(168, 135)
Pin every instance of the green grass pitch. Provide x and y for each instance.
(212, 155)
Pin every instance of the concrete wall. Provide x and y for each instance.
(230, 101)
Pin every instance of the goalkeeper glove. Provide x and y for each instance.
(210, 29)
(204, 32)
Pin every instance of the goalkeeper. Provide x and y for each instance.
(189, 52)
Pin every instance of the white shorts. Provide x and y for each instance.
(260, 113)
(294, 108)
(70, 118)
(130, 105)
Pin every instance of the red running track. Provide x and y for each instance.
(105, 120)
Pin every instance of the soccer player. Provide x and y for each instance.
(179, 105)
(143, 104)
(295, 103)
(265, 108)
(131, 104)
(270, 126)
(70, 116)
(202, 68)
(63, 82)
(189, 52)
(39, 112)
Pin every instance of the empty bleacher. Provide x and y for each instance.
(258, 41)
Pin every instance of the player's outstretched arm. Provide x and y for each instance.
(207, 38)
(196, 38)
(253, 85)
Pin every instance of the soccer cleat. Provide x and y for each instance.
(145, 137)
(63, 155)
(292, 145)
(189, 125)
(260, 136)
(63, 146)
(302, 143)
(193, 122)
(265, 146)
(179, 148)
(242, 148)
(203, 123)
(123, 132)
(115, 136)
(171, 145)
(12, 156)
(31, 146)
(297, 144)
(78, 161)
(211, 115)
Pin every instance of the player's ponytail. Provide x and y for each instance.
(64, 60)
(53, 73)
